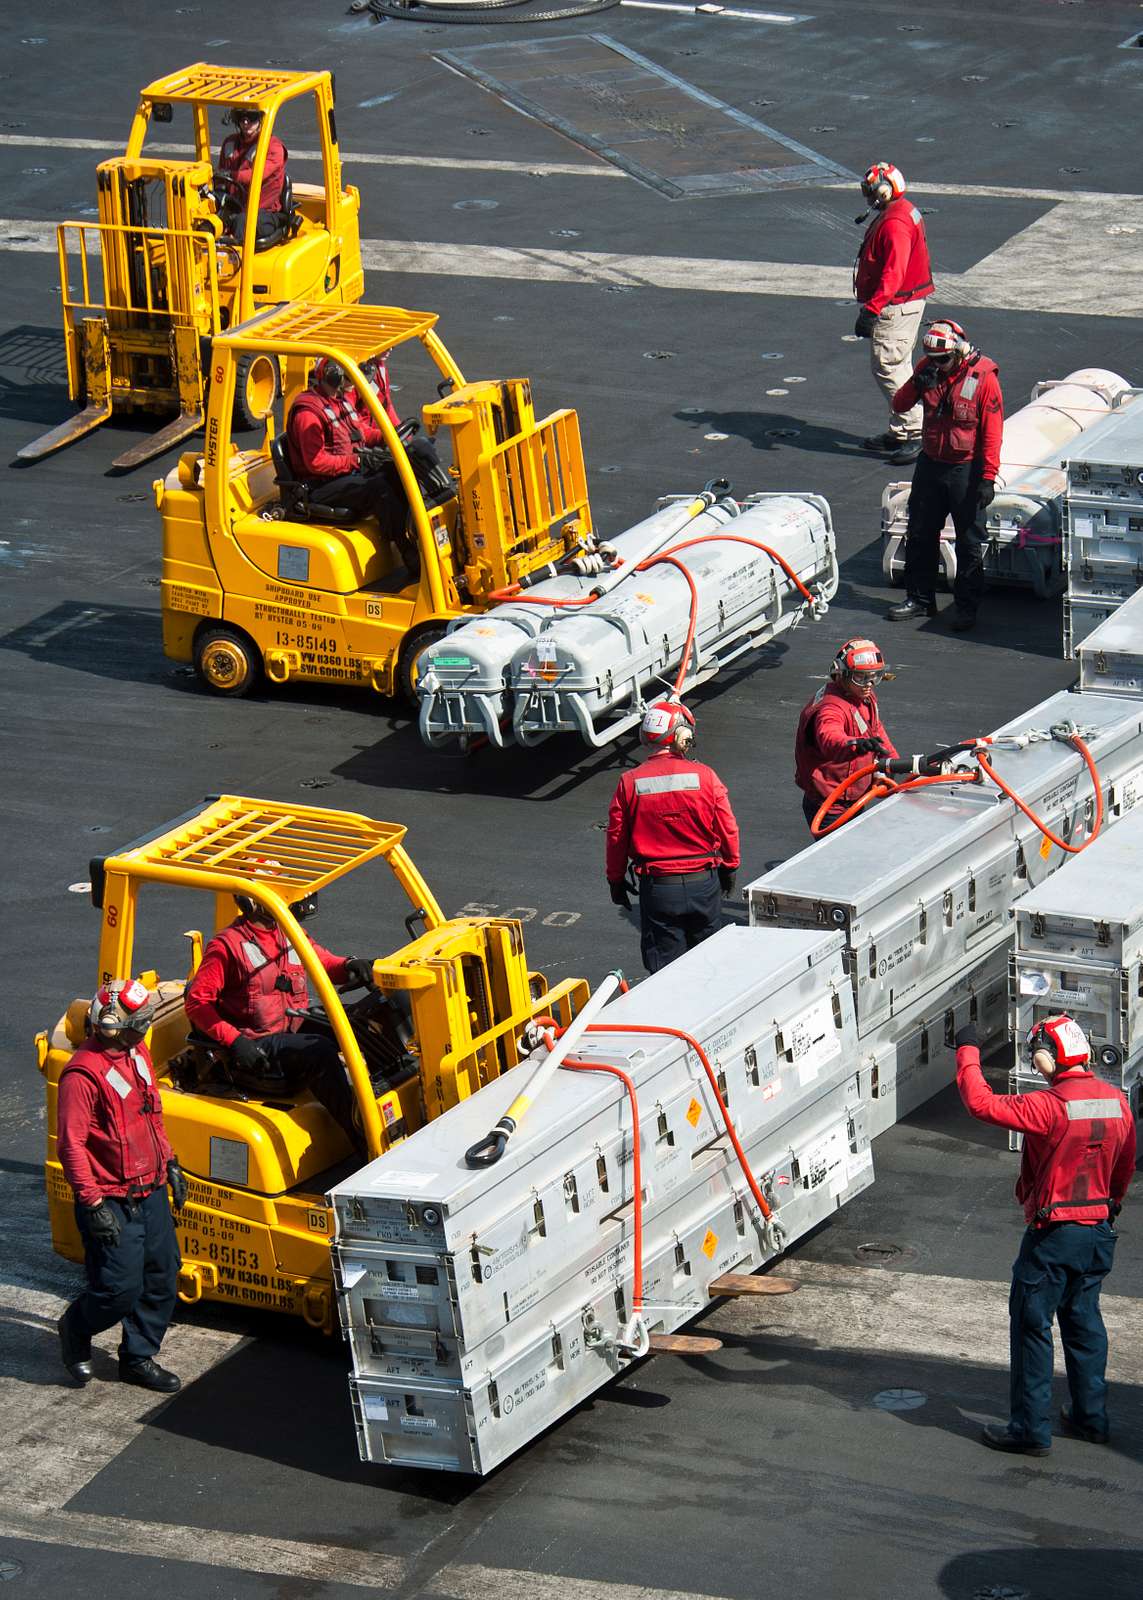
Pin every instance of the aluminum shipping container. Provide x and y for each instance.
(1111, 657)
(570, 1343)
(451, 1281)
(1079, 948)
(1083, 615)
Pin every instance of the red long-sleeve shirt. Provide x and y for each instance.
(670, 815)
(321, 433)
(893, 263)
(962, 418)
(1043, 1119)
(236, 160)
(823, 753)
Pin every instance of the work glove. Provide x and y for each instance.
(726, 877)
(985, 494)
(925, 378)
(359, 972)
(868, 747)
(968, 1035)
(866, 322)
(619, 895)
(248, 1053)
(372, 457)
(103, 1223)
(177, 1179)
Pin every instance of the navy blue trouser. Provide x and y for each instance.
(1058, 1275)
(943, 489)
(133, 1281)
(676, 913)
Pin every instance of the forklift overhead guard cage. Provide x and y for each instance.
(277, 855)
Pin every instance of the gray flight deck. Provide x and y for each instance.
(830, 1447)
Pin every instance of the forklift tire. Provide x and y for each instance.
(257, 385)
(410, 655)
(227, 660)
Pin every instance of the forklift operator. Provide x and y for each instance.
(326, 433)
(250, 996)
(234, 174)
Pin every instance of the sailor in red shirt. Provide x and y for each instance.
(892, 279)
(338, 450)
(840, 728)
(115, 1155)
(235, 172)
(671, 818)
(250, 996)
(1079, 1157)
(955, 474)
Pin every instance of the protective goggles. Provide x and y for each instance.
(862, 678)
(942, 358)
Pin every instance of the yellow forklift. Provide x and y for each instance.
(444, 1016)
(256, 580)
(148, 287)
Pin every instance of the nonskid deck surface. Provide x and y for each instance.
(698, 337)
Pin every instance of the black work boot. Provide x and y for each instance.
(75, 1348)
(962, 620)
(881, 442)
(905, 610)
(997, 1437)
(148, 1374)
(1079, 1430)
(906, 450)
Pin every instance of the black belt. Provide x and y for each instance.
(695, 872)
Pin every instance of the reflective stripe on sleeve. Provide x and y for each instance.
(667, 784)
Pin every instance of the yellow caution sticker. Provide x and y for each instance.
(710, 1244)
(694, 1112)
(1045, 847)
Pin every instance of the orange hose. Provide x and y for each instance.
(884, 785)
(636, 1170)
(515, 592)
(1072, 849)
(689, 1039)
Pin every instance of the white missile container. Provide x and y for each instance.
(592, 671)
(464, 683)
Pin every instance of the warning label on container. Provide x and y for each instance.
(710, 1244)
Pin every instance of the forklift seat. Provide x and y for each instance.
(295, 495)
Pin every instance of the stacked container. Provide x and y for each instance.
(1104, 542)
(481, 1306)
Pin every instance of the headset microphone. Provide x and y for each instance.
(859, 220)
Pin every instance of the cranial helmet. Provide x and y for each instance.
(946, 342)
(667, 724)
(860, 662)
(328, 371)
(122, 1011)
(882, 182)
(1063, 1039)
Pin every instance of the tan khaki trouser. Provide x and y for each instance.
(891, 360)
